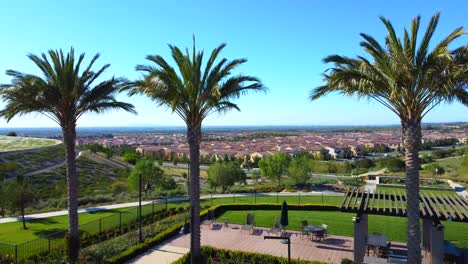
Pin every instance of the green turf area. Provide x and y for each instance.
(340, 223)
(18, 143)
(390, 190)
(13, 233)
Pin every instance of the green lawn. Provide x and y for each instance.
(390, 190)
(340, 223)
(17, 143)
(13, 233)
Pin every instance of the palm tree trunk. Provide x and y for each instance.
(412, 141)
(194, 139)
(73, 246)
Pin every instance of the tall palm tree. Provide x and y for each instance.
(63, 93)
(194, 93)
(410, 80)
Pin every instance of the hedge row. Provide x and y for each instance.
(138, 249)
(216, 255)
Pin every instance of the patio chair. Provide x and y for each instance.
(304, 230)
(209, 219)
(277, 227)
(249, 223)
(319, 235)
(325, 230)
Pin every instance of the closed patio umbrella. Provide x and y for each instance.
(284, 214)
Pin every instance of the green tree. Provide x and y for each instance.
(274, 166)
(434, 169)
(225, 174)
(408, 78)
(194, 93)
(149, 171)
(11, 134)
(130, 157)
(299, 169)
(20, 195)
(64, 92)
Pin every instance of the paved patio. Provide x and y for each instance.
(333, 249)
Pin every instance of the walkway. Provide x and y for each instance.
(458, 188)
(175, 199)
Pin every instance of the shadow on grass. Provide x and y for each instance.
(94, 210)
(55, 233)
(45, 221)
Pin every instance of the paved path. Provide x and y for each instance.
(175, 199)
(458, 188)
(162, 254)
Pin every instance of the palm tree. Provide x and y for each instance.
(193, 94)
(63, 94)
(409, 80)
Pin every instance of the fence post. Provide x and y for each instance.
(120, 222)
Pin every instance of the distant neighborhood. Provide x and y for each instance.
(252, 145)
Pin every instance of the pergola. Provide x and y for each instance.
(434, 208)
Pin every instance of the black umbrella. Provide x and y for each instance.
(284, 214)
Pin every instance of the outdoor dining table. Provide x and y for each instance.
(315, 229)
(376, 241)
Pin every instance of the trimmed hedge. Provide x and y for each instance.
(239, 257)
(138, 249)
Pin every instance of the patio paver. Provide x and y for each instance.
(333, 249)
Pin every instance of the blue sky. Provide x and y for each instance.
(284, 42)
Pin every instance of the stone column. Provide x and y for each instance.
(437, 244)
(427, 225)
(360, 237)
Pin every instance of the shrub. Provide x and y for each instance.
(434, 169)
(240, 257)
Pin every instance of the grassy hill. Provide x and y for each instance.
(19, 143)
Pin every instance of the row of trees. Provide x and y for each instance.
(405, 76)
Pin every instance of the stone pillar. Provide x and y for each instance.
(427, 225)
(360, 237)
(437, 244)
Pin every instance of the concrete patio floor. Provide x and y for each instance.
(331, 250)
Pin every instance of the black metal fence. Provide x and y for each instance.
(95, 231)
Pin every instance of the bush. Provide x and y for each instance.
(434, 169)
(211, 254)
(393, 164)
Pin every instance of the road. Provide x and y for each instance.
(175, 199)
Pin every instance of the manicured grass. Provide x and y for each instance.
(340, 223)
(13, 233)
(17, 143)
(390, 190)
